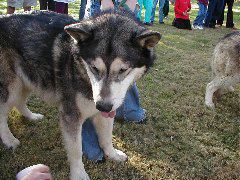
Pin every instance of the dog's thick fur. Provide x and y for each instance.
(84, 68)
(225, 67)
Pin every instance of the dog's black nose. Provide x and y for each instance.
(104, 107)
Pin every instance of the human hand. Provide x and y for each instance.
(35, 172)
(107, 4)
(185, 13)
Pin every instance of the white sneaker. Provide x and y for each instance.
(195, 27)
(200, 27)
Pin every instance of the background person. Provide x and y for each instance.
(214, 11)
(12, 5)
(47, 5)
(148, 4)
(61, 6)
(181, 10)
(166, 9)
(229, 22)
(198, 22)
(161, 16)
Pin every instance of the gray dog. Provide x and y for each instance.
(225, 67)
(83, 68)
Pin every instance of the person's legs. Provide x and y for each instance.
(66, 8)
(217, 12)
(95, 7)
(154, 10)
(10, 10)
(161, 4)
(60, 7)
(91, 148)
(148, 4)
(27, 4)
(140, 2)
(230, 23)
(27, 8)
(51, 5)
(211, 7)
(82, 9)
(201, 15)
(221, 16)
(12, 5)
(166, 8)
(131, 110)
(43, 4)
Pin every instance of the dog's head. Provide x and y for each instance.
(116, 51)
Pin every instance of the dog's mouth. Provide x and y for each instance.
(110, 114)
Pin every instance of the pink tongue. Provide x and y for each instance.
(108, 114)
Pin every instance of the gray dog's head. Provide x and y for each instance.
(116, 51)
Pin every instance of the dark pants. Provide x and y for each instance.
(166, 8)
(61, 7)
(214, 11)
(47, 5)
(229, 23)
(182, 23)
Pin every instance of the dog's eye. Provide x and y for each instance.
(94, 70)
(121, 71)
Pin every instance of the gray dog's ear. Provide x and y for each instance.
(78, 31)
(148, 39)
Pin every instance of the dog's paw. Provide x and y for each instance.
(117, 155)
(210, 104)
(11, 142)
(36, 117)
(79, 175)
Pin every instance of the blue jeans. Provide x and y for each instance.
(95, 7)
(214, 11)
(82, 9)
(201, 15)
(161, 5)
(90, 145)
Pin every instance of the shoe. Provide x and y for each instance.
(148, 24)
(200, 27)
(231, 27)
(166, 17)
(195, 26)
(161, 22)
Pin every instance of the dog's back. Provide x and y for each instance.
(27, 41)
(225, 67)
(226, 59)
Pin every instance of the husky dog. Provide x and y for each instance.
(225, 66)
(84, 68)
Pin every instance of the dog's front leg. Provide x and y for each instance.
(71, 126)
(104, 127)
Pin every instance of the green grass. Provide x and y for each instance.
(182, 138)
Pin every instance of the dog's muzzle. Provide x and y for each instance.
(103, 106)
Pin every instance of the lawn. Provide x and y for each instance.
(182, 139)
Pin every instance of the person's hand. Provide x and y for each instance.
(37, 172)
(107, 4)
(185, 13)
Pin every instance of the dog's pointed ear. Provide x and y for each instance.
(78, 32)
(148, 39)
